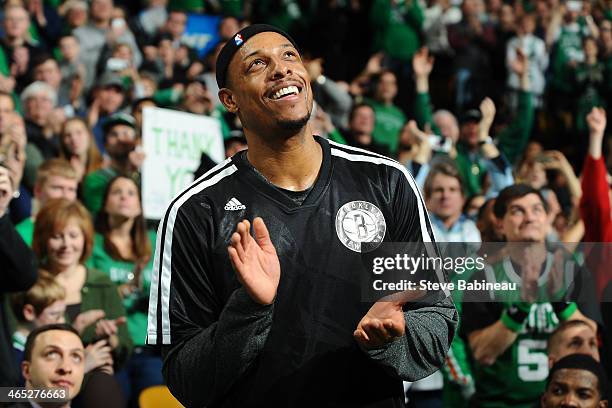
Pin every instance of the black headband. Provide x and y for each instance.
(232, 45)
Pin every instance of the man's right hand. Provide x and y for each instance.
(86, 319)
(487, 109)
(596, 120)
(422, 63)
(255, 261)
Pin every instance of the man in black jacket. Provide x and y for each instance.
(289, 325)
(17, 273)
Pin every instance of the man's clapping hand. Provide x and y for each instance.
(383, 324)
(385, 321)
(255, 261)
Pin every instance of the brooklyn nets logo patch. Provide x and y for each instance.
(360, 226)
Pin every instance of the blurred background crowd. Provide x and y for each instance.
(474, 97)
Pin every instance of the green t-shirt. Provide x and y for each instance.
(26, 229)
(389, 121)
(568, 48)
(122, 272)
(518, 376)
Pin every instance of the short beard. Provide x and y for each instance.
(294, 124)
(121, 153)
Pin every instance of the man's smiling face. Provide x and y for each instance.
(269, 86)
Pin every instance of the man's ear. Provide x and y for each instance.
(603, 404)
(29, 313)
(228, 99)
(25, 370)
(499, 225)
(551, 361)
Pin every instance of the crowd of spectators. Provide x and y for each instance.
(497, 108)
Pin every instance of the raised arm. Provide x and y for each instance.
(422, 64)
(559, 162)
(513, 139)
(595, 200)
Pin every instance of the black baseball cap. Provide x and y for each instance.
(119, 119)
(470, 115)
(238, 40)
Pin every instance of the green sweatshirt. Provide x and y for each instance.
(397, 27)
(389, 122)
(122, 272)
(513, 139)
(568, 47)
(423, 112)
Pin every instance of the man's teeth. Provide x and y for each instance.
(285, 91)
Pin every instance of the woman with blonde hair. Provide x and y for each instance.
(78, 147)
(63, 240)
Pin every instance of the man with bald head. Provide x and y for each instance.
(274, 316)
(572, 337)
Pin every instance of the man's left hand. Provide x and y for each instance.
(383, 324)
